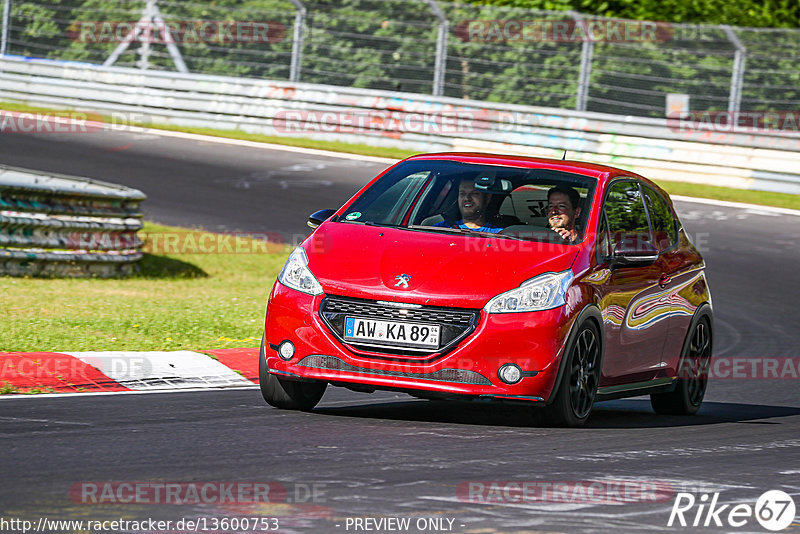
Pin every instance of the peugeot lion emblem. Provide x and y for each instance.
(402, 280)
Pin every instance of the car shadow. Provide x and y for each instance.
(158, 267)
(627, 413)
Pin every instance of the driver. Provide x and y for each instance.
(562, 211)
(472, 206)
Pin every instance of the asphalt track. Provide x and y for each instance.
(386, 455)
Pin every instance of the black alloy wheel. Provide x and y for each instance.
(577, 389)
(692, 382)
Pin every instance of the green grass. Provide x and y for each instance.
(764, 198)
(175, 302)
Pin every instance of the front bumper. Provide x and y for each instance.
(533, 341)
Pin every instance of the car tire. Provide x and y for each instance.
(287, 394)
(690, 388)
(577, 388)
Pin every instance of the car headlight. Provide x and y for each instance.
(543, 292)
(296, 274)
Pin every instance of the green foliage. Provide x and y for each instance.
(8, 389)
(747, 13)
(391, 45)
(625, 209)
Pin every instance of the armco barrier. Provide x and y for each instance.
(54, 225)
(765, 161)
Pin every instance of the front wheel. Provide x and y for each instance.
(577, 389)
(287, 394)
(690, 389)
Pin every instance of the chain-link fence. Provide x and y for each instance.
(544, 58)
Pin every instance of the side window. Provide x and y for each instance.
(662, 219)
(626, 215)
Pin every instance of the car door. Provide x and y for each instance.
(632, 302)
(678, 273)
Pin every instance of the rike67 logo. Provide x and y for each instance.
(774, 510)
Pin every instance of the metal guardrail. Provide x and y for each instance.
(56, 225)
(766, 161)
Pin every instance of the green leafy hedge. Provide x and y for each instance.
(391, 44)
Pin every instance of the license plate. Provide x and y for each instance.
(392, 333)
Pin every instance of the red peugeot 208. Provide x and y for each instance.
(513, 279)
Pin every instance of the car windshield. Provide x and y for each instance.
(484, 200)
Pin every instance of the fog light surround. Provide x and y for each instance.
(509, 373)
(286, 350)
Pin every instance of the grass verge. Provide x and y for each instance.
(763, 198)
(174, 302)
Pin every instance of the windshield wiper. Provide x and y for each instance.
(382, 225)
(441, 229)
(465, 231)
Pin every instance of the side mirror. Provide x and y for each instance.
(633, 253)
(319, 217)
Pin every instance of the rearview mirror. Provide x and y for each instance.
(319, 217)
(490, 184)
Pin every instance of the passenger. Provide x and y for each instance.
(472, 206)
(563, 208)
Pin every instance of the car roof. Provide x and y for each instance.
(602, 172)
(577, 167)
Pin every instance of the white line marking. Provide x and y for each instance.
(250, 144)
(686, 451)
(29, 420)
(739, 205)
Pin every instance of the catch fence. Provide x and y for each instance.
(557, 59)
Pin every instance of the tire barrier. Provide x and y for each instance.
(65, 226)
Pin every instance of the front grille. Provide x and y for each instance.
(454, 323)
(332, 363)
(375, 310)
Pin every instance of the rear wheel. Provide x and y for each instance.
(692, 374)
(287, 394)
(578, 387)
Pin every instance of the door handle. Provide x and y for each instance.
(664, 280)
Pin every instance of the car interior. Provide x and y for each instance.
(518, 205)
